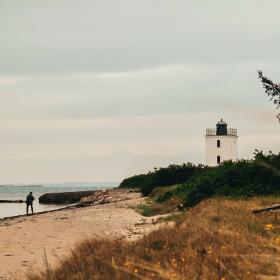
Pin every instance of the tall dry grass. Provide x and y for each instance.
(217, 239)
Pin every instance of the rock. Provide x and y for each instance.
(99, 197)
(64, 197)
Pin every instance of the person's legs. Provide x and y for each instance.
(27, 209)
(31, 208)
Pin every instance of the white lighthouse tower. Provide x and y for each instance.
(221, 144)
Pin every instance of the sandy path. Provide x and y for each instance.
(23, 240)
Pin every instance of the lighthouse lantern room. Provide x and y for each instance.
(221, 144)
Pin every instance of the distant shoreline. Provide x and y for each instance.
(21, 186)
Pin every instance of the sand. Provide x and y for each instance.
(25, 240)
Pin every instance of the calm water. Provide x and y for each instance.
(15, 192)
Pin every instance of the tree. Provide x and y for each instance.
(272, 90)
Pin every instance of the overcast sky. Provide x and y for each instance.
(101, 90)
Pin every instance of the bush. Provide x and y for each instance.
(146, 210)
(171, 175)
(244, 178)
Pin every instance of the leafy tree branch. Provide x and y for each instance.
(272, 90)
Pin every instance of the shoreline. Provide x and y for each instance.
(57, 206)
(15, 193)
(24, 239)
(35, 214)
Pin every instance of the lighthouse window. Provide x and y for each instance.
(218, 159)
(218, 143)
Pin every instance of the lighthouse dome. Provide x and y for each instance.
(221, 128)
(221, 122)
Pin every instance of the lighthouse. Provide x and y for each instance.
(221, 144)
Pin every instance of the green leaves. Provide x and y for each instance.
(272, 90)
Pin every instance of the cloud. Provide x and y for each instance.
(104, 37)
(98, 90)
(167, 89)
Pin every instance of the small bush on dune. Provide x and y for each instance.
(146, 210)
(164, 207)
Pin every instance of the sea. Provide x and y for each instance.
(20, 191)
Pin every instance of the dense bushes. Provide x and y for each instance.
(173, 174)
(245, 178)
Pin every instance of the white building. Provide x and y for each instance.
(221, 144)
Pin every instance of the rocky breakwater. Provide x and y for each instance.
(84, 198)
(64, 197)
(99, 197)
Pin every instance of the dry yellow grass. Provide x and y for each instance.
(217, 239)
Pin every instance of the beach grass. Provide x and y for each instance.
(217, 239)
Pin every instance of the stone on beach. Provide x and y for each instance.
(99, 197)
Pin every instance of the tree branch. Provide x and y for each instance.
(272, 90)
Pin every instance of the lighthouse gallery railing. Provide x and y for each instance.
(212, 132)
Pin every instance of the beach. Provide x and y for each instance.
(27, 241)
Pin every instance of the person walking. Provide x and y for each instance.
(29, 202)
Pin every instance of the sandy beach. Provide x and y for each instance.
(25, 240)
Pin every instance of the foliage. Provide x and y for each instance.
(245, 178)
(152, 208)
(164, 176)
(145, 210)
(272, 90)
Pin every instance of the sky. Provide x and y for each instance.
(101, 90)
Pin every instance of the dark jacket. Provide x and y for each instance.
(29, 199)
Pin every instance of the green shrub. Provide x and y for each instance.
(146, 210)
(165, 176)
(164, 197)
(244, 178)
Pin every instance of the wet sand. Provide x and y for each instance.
(25, 240)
